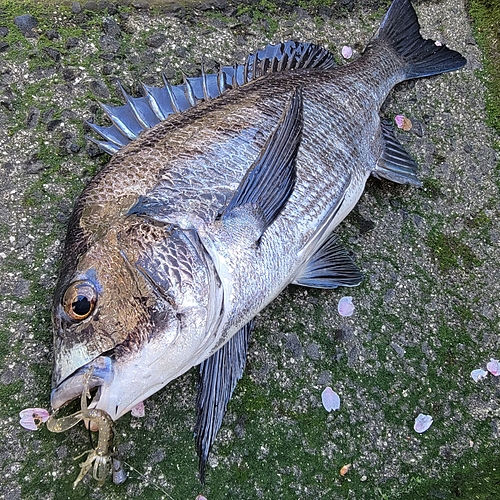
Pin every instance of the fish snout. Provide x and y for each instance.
(73, 386)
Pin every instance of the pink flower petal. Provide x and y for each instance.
(138, 410)
(200, 497)
(346, 52)
(422, 423)
(28, 423)
(478, 374)
(494, 367)
(403, 123)
(32, 418)
(330, 399)
(437, 43)
(346, 307)
(399, 119)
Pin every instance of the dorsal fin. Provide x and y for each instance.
(141, 113)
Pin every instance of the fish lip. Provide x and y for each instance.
(72, 386)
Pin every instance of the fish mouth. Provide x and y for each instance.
(72, 387)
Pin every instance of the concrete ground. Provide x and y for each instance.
(426, 315)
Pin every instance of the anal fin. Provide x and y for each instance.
(395, 164)
(217, 380)
(330, 267)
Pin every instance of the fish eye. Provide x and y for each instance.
(79, 300)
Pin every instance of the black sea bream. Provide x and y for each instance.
(221, 192)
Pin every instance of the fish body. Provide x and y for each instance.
(199, 222)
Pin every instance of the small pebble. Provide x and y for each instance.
(156, 40)
(26, 23)
(119, 474)
(345, 469)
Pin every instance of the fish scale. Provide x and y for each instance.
(200, 221)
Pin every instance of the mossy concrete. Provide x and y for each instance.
(426, 315)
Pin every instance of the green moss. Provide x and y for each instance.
(481, 224)
(463, 312)
(8, 393)
(215, 14)
(463, 481)
(450, 251)
(432, 188)
(486, 20)
(480, 221)
(450, 339)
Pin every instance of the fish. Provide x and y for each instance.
(220, 192)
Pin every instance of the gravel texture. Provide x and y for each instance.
(426, 315)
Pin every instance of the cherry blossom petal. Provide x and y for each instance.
(346, 52)
(437, 43)
(32, 418)
(478, 374)
(345, 469)
(399, 119)
(403, 123)
(138, 410)
(330, 399)
(494, 367)
(28, 423)
(422, 423)
(346, 307)
(200, 497)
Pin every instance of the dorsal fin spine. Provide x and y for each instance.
(221, 81)
(107, 147)
(246, 69)
(283, 61)
(113, 134)
(274, 64)
(170, 93)
(204, 84)
(153, 104)
(128, 128)
(188, 91)
(234, 82)
(265, 65)
(133, 107)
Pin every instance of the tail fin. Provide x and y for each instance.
(401, 30)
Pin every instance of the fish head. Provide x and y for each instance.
(139, 307)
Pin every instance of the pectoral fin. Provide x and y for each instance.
(217, 381)
(330, 267)
(268, 184)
